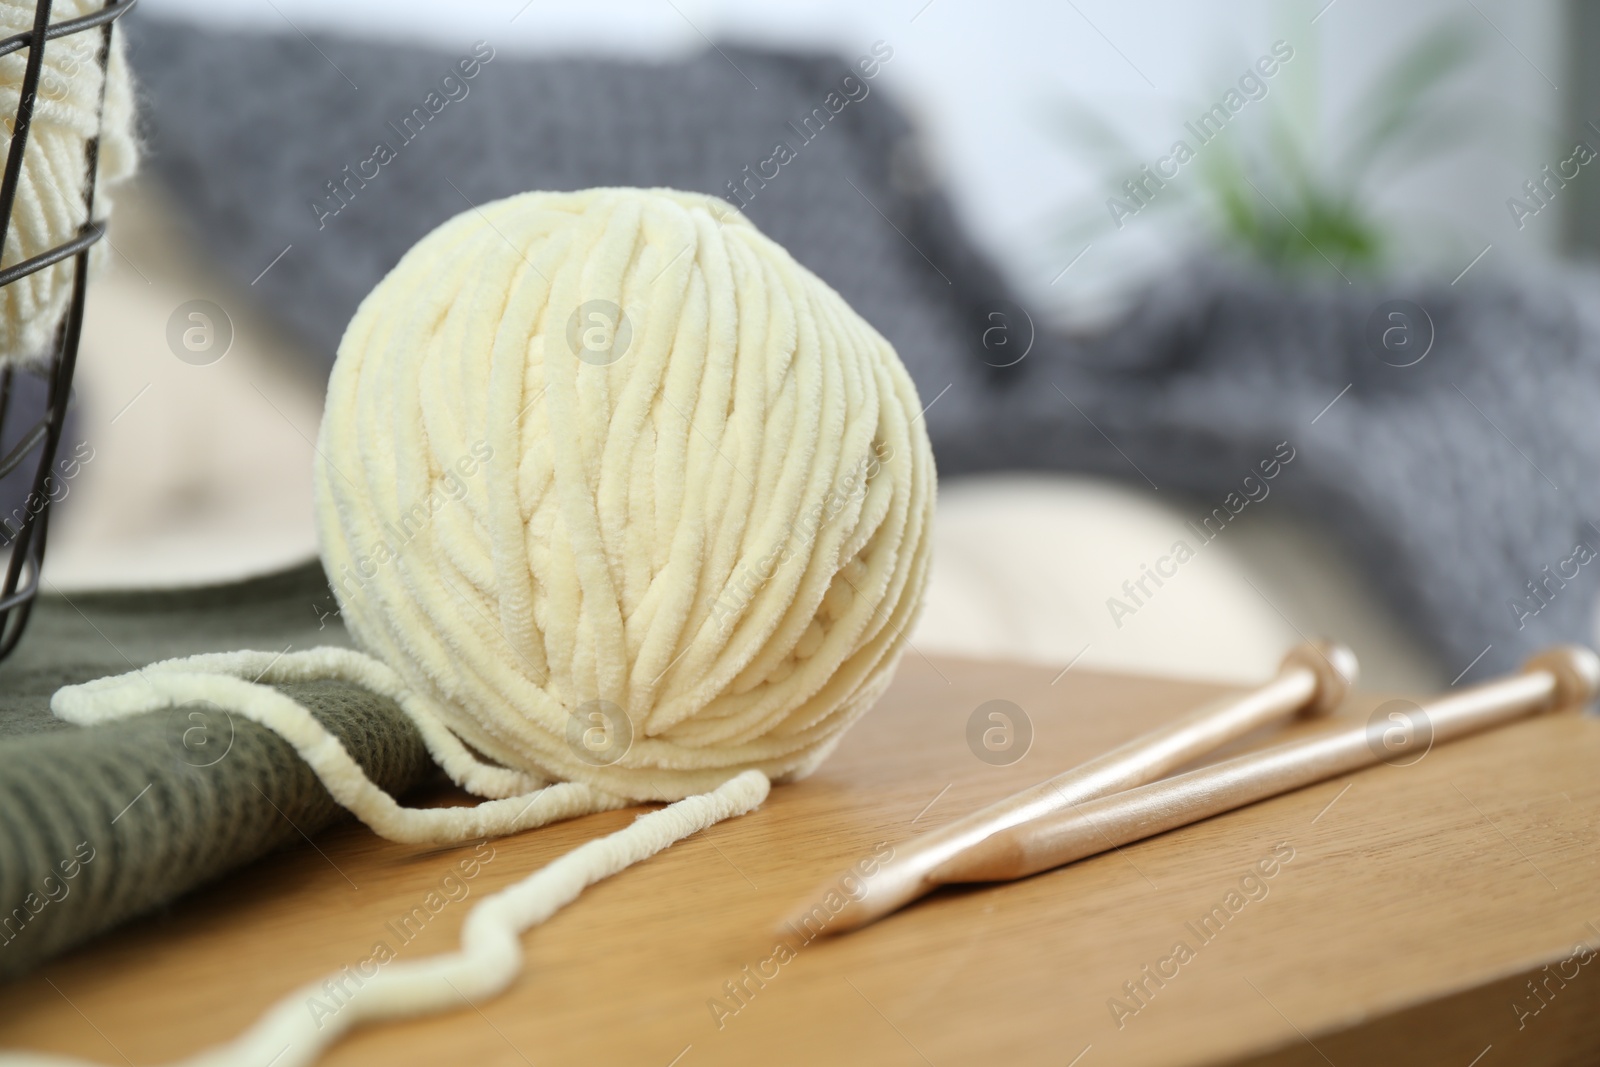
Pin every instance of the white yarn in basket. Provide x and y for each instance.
(49, 206)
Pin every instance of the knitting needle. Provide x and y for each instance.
(1565, 676)
(1313, 678)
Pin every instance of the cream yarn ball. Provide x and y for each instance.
(49, 206)
(624, 494)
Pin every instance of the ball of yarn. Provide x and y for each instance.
(49, 206)
(626, 495)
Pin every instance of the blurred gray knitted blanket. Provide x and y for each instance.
(1465, 483)
(1462, 484)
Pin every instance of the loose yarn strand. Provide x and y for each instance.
(490, 957)
(87, 703)
(219, 679)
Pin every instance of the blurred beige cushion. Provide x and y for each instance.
(1025, 567)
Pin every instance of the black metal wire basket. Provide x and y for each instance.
(41, 438)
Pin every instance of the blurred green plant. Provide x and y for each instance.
(1284, 191)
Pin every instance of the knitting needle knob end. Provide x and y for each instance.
(1334, 666)
(1576, 670)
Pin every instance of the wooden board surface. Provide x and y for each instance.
(1408, 911)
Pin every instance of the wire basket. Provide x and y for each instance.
(41, 438)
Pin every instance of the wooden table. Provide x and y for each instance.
(1408, 912)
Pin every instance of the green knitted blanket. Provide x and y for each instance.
(100, 824)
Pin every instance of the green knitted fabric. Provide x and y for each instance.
(101, 824)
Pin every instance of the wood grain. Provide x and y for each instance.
(1418, 904)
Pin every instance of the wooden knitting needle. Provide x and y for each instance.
(1313, 678)
(1561, 677)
